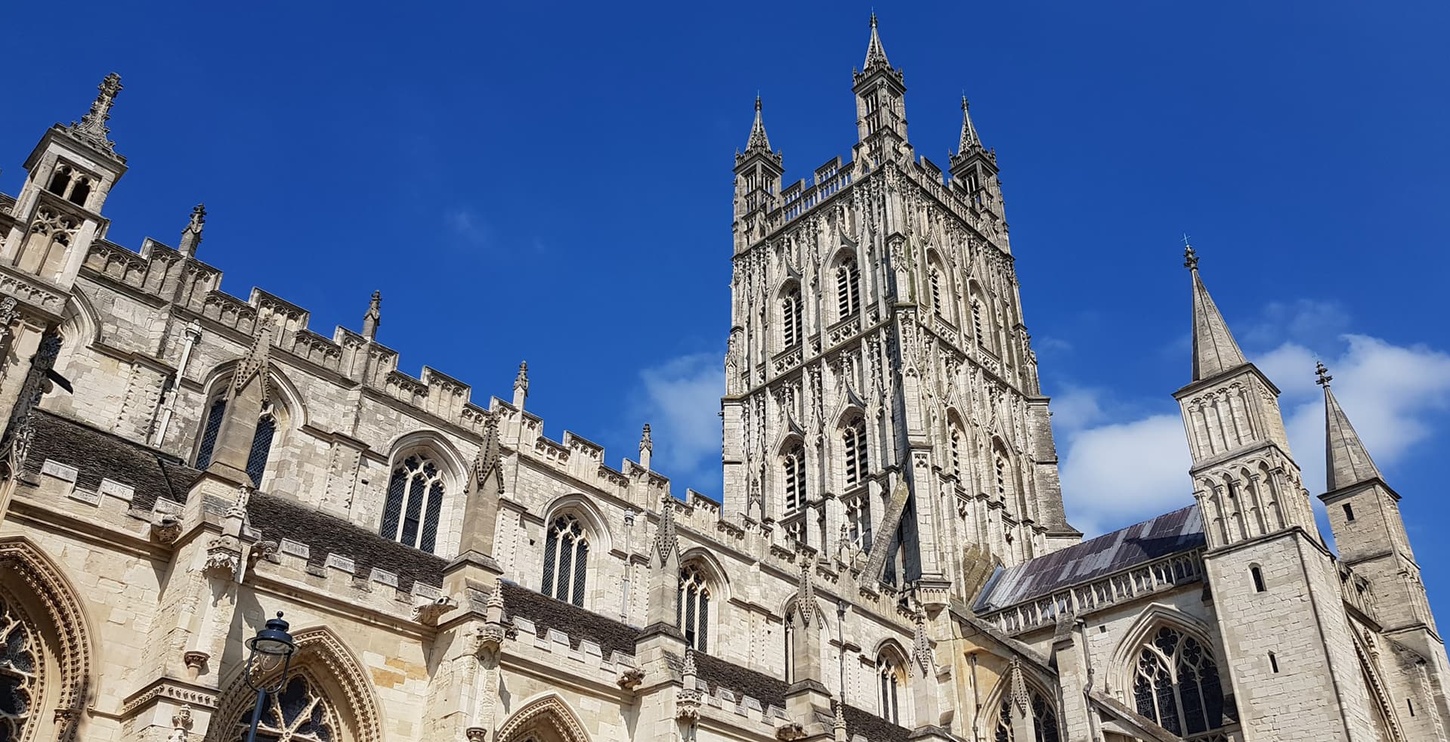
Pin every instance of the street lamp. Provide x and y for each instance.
(270, 648)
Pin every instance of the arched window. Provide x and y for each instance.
(954, 447)
(1000, 474)
(694, 607)
(262, 439)
(979, 323)
(414, 502)
(20, 672)
(790, 318)
(1176, 684)
(59, 181)
(857, 464)
(566, 559)
(848, 289)
(789, 635)
(300, 713)
(890, 678)
(858, 520)
(793, 467)
(1044, 719)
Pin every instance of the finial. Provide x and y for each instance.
(191, 234)
(92, 126)
(645, 442)
(875, 53)
(1321, 374)
(521, 385)
(758, 141)
(373, 317)
(965, 104)
(1190, 256)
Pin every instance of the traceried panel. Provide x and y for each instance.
(414, 503)
(20, 672)
(299, 713)
(1176, 683)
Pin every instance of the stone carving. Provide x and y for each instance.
(165, 528)
(180, 724)
(787, 731)
(629, 677)
(92, 129)
(223, 557)
(427, 612)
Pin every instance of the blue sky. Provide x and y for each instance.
(552, 183)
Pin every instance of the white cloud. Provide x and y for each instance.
(1119, 471)
(681, 401)
(469, 226)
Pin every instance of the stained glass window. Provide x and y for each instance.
(299, 713)
(1176, 684)
(694, 607)
(209, 432)
(20, 671)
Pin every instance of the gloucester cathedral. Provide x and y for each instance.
(889, 558)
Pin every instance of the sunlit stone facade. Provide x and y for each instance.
(889, 559)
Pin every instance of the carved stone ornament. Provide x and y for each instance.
(223, 556)
(629, 678)
(195, 660)
(687, 704)
(166, 528)
(476, 734)
(489, 639)
(428, 612)
(790, 730)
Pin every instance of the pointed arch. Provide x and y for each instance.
(1035, 697)
(46, 597)
(331, 670)
(548, 716)
(1184, 649)
(423, 507)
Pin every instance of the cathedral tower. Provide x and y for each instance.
(881, 393)
(1275, 586)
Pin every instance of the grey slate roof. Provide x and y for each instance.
(1170, 533)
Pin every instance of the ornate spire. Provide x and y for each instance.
(92, 129)
(758, 141)
(1346, 461)
(521, 385)
(969, 141)
(646, 447)
(875, 53)
(1214, 348)
(191, 234)
(806, 595)
(373, 317)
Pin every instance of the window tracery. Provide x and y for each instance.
(1176, 683)
(566, 556)
(848, 290)
(858, 521)
(20, 671)
(857, 464)
(414, 502)
(794, 470)
(694, 607)
(1042, 711)
(890, 677)
(298, 713)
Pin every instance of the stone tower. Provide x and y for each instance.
(1288, 644)
(881, 392)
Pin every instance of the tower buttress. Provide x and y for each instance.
(1271, 578)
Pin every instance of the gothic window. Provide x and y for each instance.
(848, 289)
(857, 465)
(299, 713)
(1044, 719)
(261, 446)
(858, 521)
(79, 191)
(1004, 723)
(209, 432)
(1176, 684)
(934, 275)
(790, 309)
(794, 471)
(999, 470)
(954, 446)
(414, 503)
(694, 607)
(977, 323)
(890, 677)
(59, 181)
(566, 558)
(70, 185)
(20, 672)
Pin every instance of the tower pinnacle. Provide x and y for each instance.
(373, 317)
(875, 53)
(1214, 348)
(92, 127)
(969, 141)
(191, 234)
(1346, 461)
(758, 141)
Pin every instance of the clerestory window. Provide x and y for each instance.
(414, 503)
(566, 560)
(694, 607)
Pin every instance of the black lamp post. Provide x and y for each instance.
(270, 648)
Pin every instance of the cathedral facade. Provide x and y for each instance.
(889, 560)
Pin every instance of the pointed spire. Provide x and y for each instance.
(191, 234)
(875, 53)
(1346, 461)
(969, 141)
(758, 141)
(1214, 348)
(373, 317)
(646, 447)
(521, 385)
(666, 543)
(92, 127)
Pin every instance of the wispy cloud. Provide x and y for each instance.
(466, 224)
(681, 401)
(1118, 469)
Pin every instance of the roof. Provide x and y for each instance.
(547, 613)
(1170, 533)
(98, 455)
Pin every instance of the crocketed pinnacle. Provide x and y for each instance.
(92, 129)
(758, 141)
(1346, 461)
(1214, 349)
(970, 141)
(875, 53)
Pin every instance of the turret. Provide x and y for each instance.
(974, 167)
(57, 214)
(757, 183)
(880, 106)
